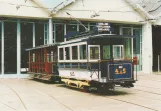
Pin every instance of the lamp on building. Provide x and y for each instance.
(78, 21)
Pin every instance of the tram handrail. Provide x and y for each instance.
(115, 60)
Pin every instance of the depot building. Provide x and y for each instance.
(27, 23)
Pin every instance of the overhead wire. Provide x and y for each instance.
(18, 6)
(154, 3)
(155, 9)
(22, 5)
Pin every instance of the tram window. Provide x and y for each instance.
(106, 52)
(94, 53)
(67, 53)
(82, 49)
(74, 53)
(52, 56)
(61, 54)
(48, 58)
(118, 51)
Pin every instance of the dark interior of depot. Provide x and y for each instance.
(10, 47)
(10, 44)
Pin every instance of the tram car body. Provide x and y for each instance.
(43, 62)
(99, 60)
(86, 61)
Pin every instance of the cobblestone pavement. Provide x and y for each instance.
(29, 95)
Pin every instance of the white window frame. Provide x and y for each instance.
(89, 46)
(70, 45)
(59, 53)
(46, 30)
(65, 54)
(120, 51)
(83, 60)
(72, 53)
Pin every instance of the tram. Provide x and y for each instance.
(87, 60)
(101, 61)
(43, 62)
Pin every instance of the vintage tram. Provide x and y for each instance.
(43, 62)
(88, 60)
(99, 60)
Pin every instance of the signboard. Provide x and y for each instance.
(103, 27)
(120, 71)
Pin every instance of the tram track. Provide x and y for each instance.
(112, 98)
(144, 90)
(128, 102)
(7, 106)
(147, 87)
(55, 99)
(16, 95)
(98, 95)
(116, 99)
(123, 101)
(158, 94)
(147, 91)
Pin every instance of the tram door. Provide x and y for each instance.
(106, 52)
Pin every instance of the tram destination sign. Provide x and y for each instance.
(103, 27)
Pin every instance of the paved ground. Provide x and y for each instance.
(28, 95)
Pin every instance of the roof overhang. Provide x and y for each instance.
(141, 10)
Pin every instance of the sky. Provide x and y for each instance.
(51, 3)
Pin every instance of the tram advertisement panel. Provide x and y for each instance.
(119, 71)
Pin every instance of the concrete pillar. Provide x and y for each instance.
(147, 54)
(50, 31)
(18, 47)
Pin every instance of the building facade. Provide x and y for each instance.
(26, 24)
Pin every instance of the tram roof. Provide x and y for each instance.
(89, 37)
(41, 46)
(80, 39)
(110, 36)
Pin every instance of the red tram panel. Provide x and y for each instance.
(41, 62)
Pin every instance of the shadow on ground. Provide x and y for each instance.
(96, 92)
